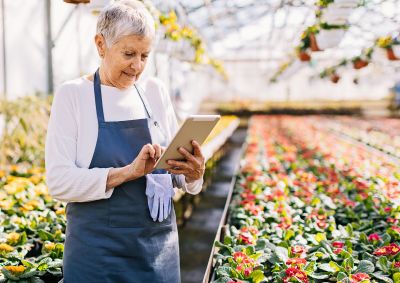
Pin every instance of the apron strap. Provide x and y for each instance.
(145, 103)
(97, 96)
(99, 103)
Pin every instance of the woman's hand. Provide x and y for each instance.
(194, 166)
(146, 160)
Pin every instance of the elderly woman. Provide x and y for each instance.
(104, 137)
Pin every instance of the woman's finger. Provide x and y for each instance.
(148, 150)
(157, 149)
(196, 149)
(179, 164)
(186, 154)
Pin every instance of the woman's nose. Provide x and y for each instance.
(135, 63)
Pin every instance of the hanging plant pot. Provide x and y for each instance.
(77, 1)
(313, 43)
(346, 3)
(304, 56)
(328, 38)
(334, 15)
(335, 78)
(359, 64)
(391, 55)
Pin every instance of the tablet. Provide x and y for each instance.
(195, 127)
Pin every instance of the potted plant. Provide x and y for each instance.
(362, 60)
(391, 45)
(308, 39)
(329, 35)
(302, 54)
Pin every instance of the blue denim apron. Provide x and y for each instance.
(115, 240)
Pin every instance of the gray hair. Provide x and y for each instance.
(125, 17)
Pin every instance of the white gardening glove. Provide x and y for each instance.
(159, 191)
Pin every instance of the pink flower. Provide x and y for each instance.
(358, 277)
(397, 264)
(298, 250)
(374, 237)
(395, 228)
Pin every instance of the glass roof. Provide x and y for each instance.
(268, 31)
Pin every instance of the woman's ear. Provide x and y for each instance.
(100, 44)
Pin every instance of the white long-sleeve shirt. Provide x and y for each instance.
(73, 129)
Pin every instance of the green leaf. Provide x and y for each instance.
(383, 264)
(289, 234)
(327, 267)
(27, 263)
(282, 253)
(319, 275)
(349, 229)
(227, 240)
(335, 266)
(348, 264)
(341, 276)
(396, 277)
(310, 267)
(382, 277)
(320, 237)
(365, 266)
(249, 250)
(44, 235)
(257, 276)
(9, 275)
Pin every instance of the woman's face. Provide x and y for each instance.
(124, 61)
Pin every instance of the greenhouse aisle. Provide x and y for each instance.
(197, 236)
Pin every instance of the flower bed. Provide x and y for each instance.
(380, 133)
(33, 225)
(32, 228)
(309, 207)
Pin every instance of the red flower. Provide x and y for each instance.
(295, 272)
(397, 264)
(388, 209)
(358, 277)
(298, 250)
(239, 256)
(395, 228)
(291, 271)
(246, 238)
(248, 271)
(391, 249)
(374, 237)
(338, 244)
(391, 220)
(338, 251)
(296, 261)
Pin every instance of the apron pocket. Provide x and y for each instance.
(128, 207)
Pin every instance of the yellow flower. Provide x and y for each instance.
(35, 179)
(50, 246)
(14, 168)
(30, 205)
(36, 170)
(2, 173)
(6, 204)
(13, 238)
(16, 270)
(60, 211)
(41, 189)
(6, 248)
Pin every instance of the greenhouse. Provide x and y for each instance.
(208, 141)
